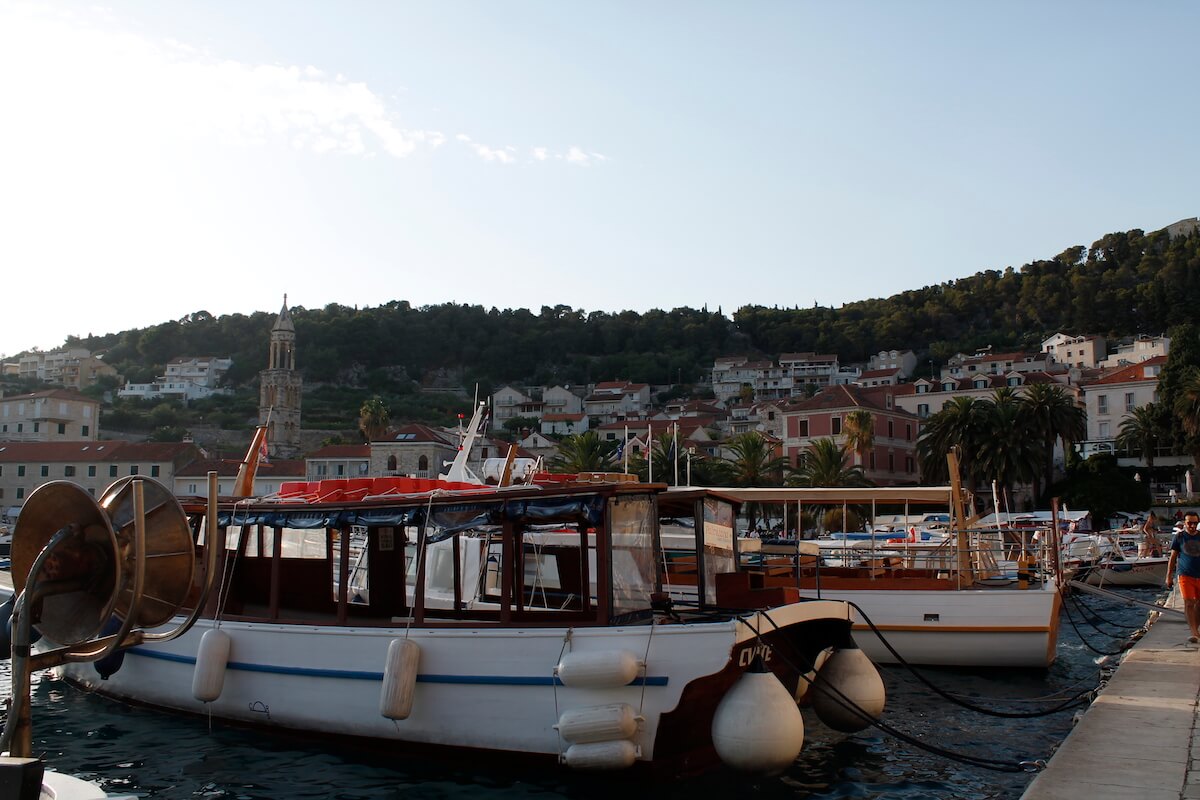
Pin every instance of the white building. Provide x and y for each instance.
(185, 379)
(1109, 400)
(1140, 349)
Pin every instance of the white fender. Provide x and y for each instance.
(619, 754)
(602, 669)
(598, 723)
(851, 673)
(757, 726)
(399, 679)
(211, 660)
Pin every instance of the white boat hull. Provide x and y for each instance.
(477, 688)
(986, 627)
(1132, 572)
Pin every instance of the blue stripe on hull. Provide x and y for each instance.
(356, 675)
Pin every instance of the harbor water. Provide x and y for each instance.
(146, 753)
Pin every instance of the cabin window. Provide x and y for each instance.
(633, 562)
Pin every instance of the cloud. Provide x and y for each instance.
(84, 83)
(80, 73)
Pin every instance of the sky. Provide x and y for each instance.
(160, 158)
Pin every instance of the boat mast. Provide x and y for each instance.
(459, 471)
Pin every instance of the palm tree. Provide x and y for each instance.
(373, 419)
(962, 424)
(583, 452)
(1007, 454)
(859, 429)
(1051, 415)
(755, 461)
(1187, 410)
(825, 463)
(1140, 431)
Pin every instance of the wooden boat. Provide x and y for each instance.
(949, 602)
(524, 620)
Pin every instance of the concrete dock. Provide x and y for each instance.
(1141, 737)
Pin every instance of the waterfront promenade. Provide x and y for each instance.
(1141, 737)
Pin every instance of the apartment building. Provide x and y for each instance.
(24, 466)
(53, 415)
(338, 461)
(269, 477)
(989, 363)
(186, 379)
(1083, 352)
(1109, 399)
(611, 401)
(1137, 350)
(924, 397)
(891, 460)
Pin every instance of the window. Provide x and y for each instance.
(770, 416)
(154, 469)
(37, 427)
(1102, 403)
(908, 464)
(323, 469)
(83, 430)
(341, 470)
(835, 425)
(423, 465)
(1129, 404)
(20, 470)
(871, 459)
(923, 410)
(891, 428)
(20, 427)
(133, 469)
(922, 388)
(112, 471)
(1104, 430)
(891, 462)
(62, 428)
(391, 463)
(802, 427)
(191, 488)
(92, 471)
(908, 433)
(45, 471)
(20, 492)
(69, 471)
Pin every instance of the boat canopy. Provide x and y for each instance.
(447, 518)
(933, 495)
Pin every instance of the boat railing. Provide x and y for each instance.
(983, 556)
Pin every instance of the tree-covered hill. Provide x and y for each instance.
(1126, 283)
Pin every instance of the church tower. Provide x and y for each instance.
(279, 390)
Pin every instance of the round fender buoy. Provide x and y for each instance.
(848, 674)
(757, 726)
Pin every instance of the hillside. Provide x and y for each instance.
(1124, 284)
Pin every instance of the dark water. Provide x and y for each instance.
(151, 754)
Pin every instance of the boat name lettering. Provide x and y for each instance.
(747, 655)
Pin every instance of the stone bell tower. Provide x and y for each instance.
(279, 390)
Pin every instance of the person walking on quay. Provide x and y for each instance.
(1185, 553)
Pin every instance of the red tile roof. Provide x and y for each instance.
(1134, 373)
(342, 451)
(113, 450)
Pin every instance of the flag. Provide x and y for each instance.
(263, 454)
